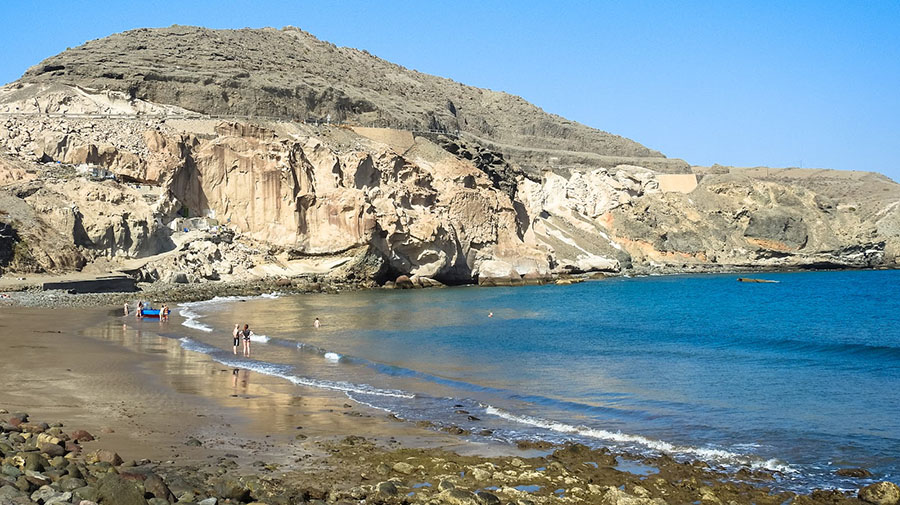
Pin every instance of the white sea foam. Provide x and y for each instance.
(259, 338)
(191, 317)
(283, 372)
(328, 355)
(370, 405)
(720, 455)
(191, 320)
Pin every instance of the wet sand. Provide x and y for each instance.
(145, 396)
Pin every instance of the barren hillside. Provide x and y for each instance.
(290, 73)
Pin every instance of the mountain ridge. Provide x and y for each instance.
(290, 73)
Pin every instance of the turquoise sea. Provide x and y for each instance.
(801, 377)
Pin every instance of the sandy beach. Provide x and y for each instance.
(209, 431)
(146, 395)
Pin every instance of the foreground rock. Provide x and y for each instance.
(880, 493)
(345, 471)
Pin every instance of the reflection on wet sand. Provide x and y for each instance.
(268, 405)
(241, 377)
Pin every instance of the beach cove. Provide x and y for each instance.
(428, 370)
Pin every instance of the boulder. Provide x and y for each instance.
(858, 473)
(104, 456)
(49, 496)
(480, 474)
(386, 489)
(497, 273)
(404, 468)
(10, 493)
(70, 483)
(81, 436)
(88, 493)
(114, 489)
(33, 462)
(404, 282)
(459, 497)
(52, 450)
(73, 447)
(232, 489)
(486, 498)
(880, 493)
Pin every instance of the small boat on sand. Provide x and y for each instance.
(765, 281)
(151, 313)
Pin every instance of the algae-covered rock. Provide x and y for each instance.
(459, 497)
(880, 493)
(113, 489)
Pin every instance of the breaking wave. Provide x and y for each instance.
(718, 455)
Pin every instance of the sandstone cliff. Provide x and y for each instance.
(112, 179)
(439, 209)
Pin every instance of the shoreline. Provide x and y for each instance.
(153, 400)
(32, 295)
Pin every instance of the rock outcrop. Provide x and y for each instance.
(427, 213)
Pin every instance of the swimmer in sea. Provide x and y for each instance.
(490, 314)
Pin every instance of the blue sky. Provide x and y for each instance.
(815, 84)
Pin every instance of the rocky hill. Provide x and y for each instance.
(290, 73)
(131, 180)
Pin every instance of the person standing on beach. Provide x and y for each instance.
(237, 337)
(140, 310)
(126, 308)
(246, 335)
(316, 322)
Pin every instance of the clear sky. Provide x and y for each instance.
(800, 83)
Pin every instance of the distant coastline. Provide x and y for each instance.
(28, 293)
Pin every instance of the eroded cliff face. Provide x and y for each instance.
(427, 213)
(727, 222)
(429, 209)
(442, 214)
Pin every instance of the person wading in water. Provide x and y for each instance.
(246, 336)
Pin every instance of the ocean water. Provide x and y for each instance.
(801, 377)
